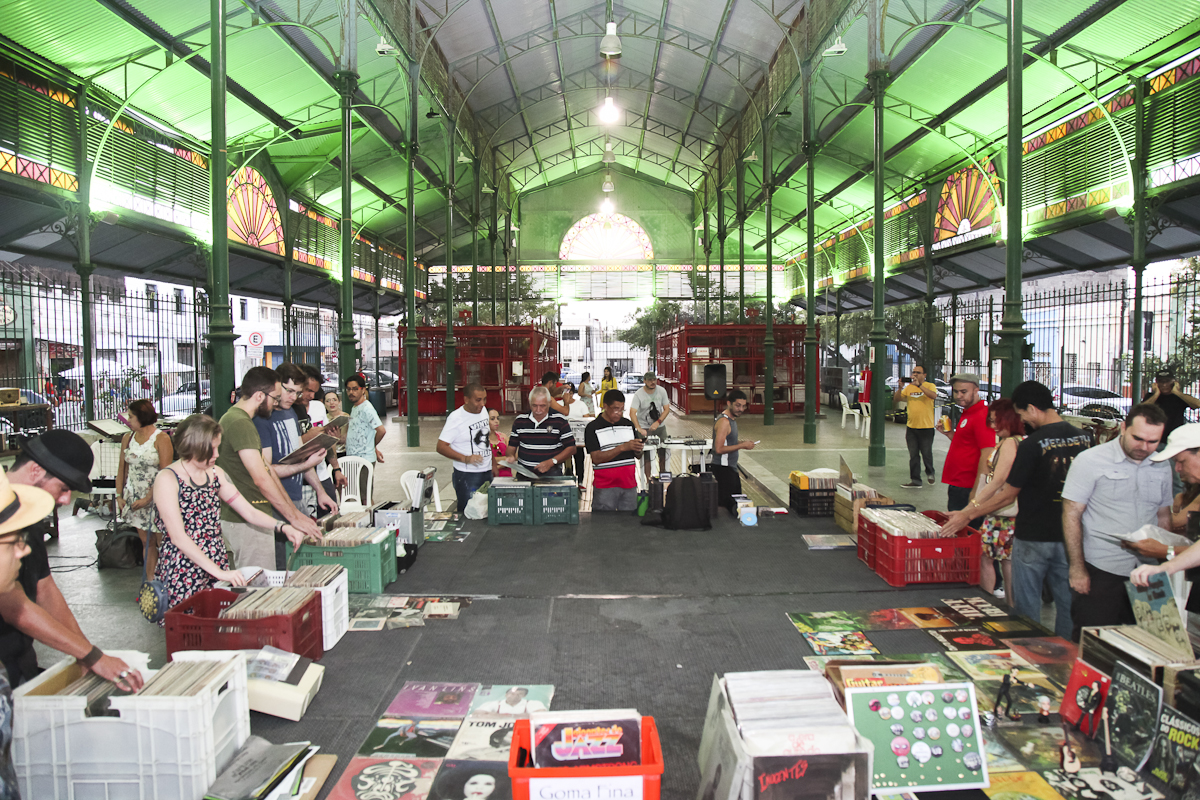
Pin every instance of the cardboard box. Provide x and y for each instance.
(845, 511)
(286, 700)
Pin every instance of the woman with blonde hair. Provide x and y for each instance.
(187, 499)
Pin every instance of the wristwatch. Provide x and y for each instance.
(1170, 552)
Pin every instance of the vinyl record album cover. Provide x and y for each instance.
(1020, 786)
(1089, 784)
(472, 780)
(1132, 704)
(512, 699)
(813, 777)
(385, 779)
(483, 738)
(837, 644)
(422, 699)
(424, 738)
(1173, 767)
(967, 637)
(1044, 649)
(1083, 698)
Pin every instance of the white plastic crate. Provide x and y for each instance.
(335, 605)
(157, 748)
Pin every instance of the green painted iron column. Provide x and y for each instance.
(410, 279)
(741, 218)
(810, 261)
(722, 232)
(876, 451)
(707, 257)
(287, 310)
(492, 254)
(1139, 233)
(220, 321)
(768, 184)
(83, 238)
(451, 351)
(476, 206)
(347, 344)
(1012, 323)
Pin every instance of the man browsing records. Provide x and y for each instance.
(464, 440)
(280, 435)
(240, 455)
(610, 441)
(541, 440)
(365, 431)
(328, 471)
(726, 447)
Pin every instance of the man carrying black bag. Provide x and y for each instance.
(726, 447)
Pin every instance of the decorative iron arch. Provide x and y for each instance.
(606, 237)
(253, 215)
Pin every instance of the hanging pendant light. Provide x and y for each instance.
(608, 112)
(610, 45)
(609, 155)
(607, 185)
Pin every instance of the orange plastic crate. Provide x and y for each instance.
(194, 625)
(521, 773)
(901, 561)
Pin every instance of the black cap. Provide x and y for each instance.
(63, 454)
(1164, 375)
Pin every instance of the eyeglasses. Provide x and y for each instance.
(276, 398)
(20, 538)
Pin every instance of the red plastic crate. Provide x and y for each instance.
(650, 770)
(867, 535)
(901, 561)
(194, 625)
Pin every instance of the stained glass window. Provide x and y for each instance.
(253, 214)
(967, 208)
(606, 237)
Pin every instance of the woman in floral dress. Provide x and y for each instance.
(187, 499)
(144, 451)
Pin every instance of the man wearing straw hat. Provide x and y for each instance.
(20, 507)
(58, 462)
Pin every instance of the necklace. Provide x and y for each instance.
(191, 477)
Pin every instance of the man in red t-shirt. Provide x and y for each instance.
(971, 441)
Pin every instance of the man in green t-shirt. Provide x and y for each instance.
(240, 455)
(919, 394)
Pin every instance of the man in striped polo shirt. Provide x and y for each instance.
(541, 440)
(615, 450)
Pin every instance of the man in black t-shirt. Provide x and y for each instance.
(1036, 482)
(58, 461)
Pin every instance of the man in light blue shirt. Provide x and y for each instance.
(1113, 489)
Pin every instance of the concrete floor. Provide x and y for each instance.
(103, 601)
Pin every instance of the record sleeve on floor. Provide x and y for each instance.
(385, 779)
(474, 780)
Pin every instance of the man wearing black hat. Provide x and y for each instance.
(58, 462)
(1170, 398)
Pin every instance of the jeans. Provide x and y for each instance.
(920, 445)
(1033, 564)
(465, 483)
(1106, 603)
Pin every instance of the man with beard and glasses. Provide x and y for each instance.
(464, 440)
(1113, 489)
(726, 447)
(241, 456)
(281, 434)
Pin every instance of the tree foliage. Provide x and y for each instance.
(903, 325)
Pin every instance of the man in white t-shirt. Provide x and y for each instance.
(328, 471)
(648, 410)
(464, 440)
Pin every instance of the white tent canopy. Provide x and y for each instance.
(105, 367)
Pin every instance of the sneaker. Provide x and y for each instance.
(930, 478)
(911, 485)
(999, 592)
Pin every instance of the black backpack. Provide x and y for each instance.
(684, 510)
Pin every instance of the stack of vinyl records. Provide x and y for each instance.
(284, 600)
(903, 523)
(859, 491)
(788, 711)
(97, 691)
(315, 575)
(183, 678)
(822, 479)
(353, 537)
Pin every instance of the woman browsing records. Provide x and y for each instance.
(498, 446)
(997, 530)
(144, 451)
(187, 498)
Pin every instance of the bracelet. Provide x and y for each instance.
(335, 469)
(279, 527)
(93, 655)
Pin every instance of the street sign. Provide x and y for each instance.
(254, 353)
(256, 340)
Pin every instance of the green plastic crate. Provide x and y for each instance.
(556, 503)
(510, 503)
(370, 567)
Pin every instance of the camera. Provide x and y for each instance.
(384, 49)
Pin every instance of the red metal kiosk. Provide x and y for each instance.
(683, 352)
(508, 361)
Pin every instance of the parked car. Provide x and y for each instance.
(1092, 401)
(182, 402)
(629, 382)
(943, 388)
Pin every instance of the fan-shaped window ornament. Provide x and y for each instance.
(966, 210)
(606, 237)
(253, 214)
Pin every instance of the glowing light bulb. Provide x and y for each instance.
(608, 112)
(606, 207)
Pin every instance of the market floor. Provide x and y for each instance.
(615, 615)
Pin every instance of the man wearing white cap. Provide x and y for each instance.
(1183, 448)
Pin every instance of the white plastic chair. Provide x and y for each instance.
(411, 482)
(847, 411)
(865, 412)
(352, 467)
(106, 459)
